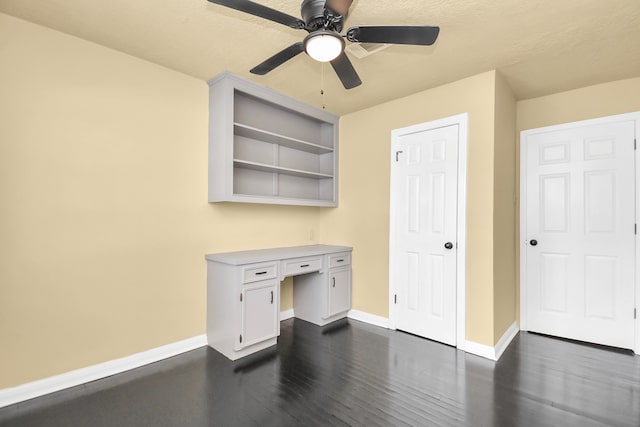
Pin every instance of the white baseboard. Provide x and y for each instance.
(506, 339)
(286, 314)
(481, 350)
(493, 353)
(372, 319)
(9, 396)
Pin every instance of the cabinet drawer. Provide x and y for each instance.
(253, 273)
(338, 260)
(296, 266)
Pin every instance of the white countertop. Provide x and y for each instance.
(263, 255)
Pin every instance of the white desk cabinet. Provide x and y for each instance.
(243, 293)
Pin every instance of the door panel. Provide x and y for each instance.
(413, 280)
(259, 312)
(554, 285)
(599, 190)
(339, 291)
(436, 268)
(599, 272)
(425, 211)
(580, 210)
(554, 202)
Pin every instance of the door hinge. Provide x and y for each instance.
(240, 297)
(635, 228)
(397, 154)
(634, 313)
(395, 298)
(635, 146)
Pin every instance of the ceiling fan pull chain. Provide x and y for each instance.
(322, 84)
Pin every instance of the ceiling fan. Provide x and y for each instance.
(323, 20)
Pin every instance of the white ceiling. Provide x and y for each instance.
(540, 46)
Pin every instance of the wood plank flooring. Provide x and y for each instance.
(351, 373)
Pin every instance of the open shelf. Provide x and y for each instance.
(277, 169)
(274, 138)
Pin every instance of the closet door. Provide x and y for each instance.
(424, 201)
(579, 210)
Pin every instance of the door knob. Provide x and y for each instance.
(448, 245)
(533, 242)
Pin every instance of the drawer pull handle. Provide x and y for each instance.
(271, 297)
(304, 265)
(340, 260)
(260, 273)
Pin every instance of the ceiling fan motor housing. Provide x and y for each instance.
(317, 16)
(311, 10)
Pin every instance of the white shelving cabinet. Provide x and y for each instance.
(265, 147)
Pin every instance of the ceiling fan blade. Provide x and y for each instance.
(340, 6)
(345, 71)
(262, 12)
(278, 59)
(418, 35)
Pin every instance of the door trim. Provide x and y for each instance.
(523, 216)
(462, 121)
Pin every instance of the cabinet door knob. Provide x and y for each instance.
(533, 242)
(448, 245)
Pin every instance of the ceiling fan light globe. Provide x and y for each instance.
(323, 46)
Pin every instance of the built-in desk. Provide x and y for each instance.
(243, 293)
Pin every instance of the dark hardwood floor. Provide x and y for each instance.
(351, 373)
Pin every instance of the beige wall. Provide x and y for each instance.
(504, 218)
(621, 96)
(362, 220)
(104, 220)
(607, 99)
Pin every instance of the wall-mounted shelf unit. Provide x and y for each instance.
(265, 147)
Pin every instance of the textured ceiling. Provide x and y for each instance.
(540, 46)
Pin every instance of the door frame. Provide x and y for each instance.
(523, 214)
(462, 120)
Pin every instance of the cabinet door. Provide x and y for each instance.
(339, 291)
(259, 313)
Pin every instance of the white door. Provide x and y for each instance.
(579, 235)
(423, 229)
